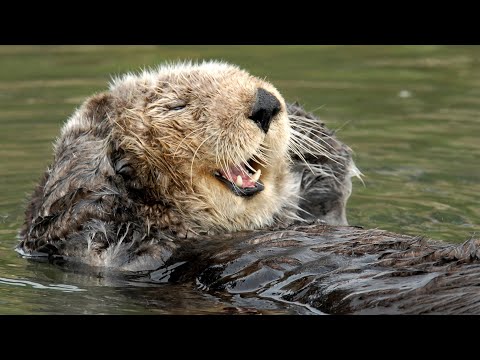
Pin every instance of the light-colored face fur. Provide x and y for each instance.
(184, 123)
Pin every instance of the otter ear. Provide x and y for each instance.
(97, 107)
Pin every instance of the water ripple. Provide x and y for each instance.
(60, 287)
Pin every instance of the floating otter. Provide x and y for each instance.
(181, 151)
(203, 174)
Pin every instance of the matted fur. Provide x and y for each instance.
(133, 168)
(334, 270)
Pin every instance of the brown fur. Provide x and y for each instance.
(133, 168)
(337, 270)
(131, 182)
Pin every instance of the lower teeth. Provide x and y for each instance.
(239, 181)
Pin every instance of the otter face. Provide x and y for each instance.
(244, 179)
(210, 139)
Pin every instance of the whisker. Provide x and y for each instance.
(313, 126)
(314, 148)
(309, 140)
(317, 108)
(342, 126)
(262, 147)
(319, 135)
(193, 159)
(193, 132)
(223, 162)
(310, 124)
(217, 153)
(300, 146)
(299, 154)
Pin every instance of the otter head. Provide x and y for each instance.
(208, 140)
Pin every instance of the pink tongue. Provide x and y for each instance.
(233, 172)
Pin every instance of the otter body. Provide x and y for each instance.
(333, 270)
(204, 174)
(182, 151)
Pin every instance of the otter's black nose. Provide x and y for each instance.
(265, 108)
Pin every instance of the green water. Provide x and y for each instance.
(410, 113)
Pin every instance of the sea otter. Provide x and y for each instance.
(181, 151)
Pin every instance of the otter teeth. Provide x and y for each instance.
(257, 174)
(239, 181)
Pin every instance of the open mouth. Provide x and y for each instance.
(240, 180)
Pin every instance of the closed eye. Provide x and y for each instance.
(177, 106)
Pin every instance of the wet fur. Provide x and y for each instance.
(131, 175)
(337, 270)
(106, 201)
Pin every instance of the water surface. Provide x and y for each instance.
(410, 113)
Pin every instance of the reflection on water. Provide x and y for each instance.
(19, 282)
(410, 113)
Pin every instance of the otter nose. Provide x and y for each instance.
(265, 108)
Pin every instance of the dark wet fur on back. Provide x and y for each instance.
(338, 270)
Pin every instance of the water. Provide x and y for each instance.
(410, 113)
